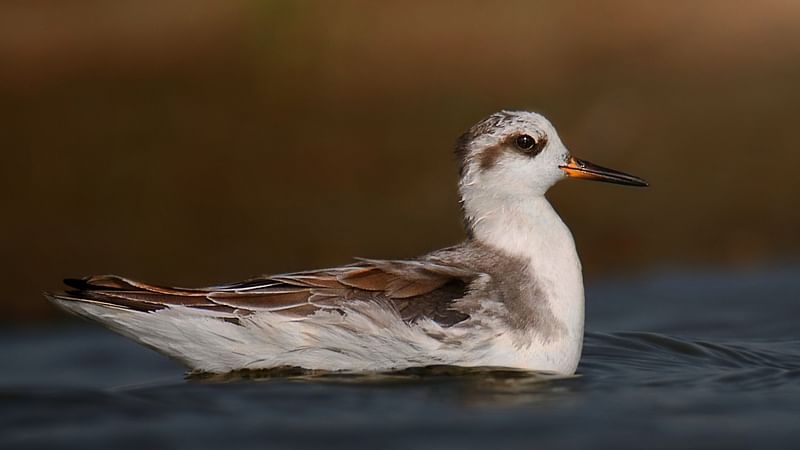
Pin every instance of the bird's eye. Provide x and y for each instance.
(525, 142)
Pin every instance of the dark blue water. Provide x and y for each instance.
(672, 360)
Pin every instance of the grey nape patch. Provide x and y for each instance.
(486, 125)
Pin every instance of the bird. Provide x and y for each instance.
(510, 295)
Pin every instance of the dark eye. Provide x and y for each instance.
(525, 142)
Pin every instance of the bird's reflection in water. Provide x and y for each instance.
(477, 386)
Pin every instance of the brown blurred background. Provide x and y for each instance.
(191, 142)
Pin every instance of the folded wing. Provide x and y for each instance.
(416, 289)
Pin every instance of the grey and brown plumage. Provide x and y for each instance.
(510, 295)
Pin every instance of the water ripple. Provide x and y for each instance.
(657, 359)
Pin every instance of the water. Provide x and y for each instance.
(672, 360)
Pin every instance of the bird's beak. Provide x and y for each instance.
(578, 168)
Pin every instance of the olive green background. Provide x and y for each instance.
(190, 142)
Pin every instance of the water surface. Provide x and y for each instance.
(671, 360)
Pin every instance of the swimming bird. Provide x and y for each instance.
(511, 295)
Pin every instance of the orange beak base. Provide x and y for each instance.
(577, 168)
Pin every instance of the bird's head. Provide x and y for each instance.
(512, 156)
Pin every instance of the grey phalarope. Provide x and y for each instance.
(511, 295)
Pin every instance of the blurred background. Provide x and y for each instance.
(191, 142)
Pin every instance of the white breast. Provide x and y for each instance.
(534, 231)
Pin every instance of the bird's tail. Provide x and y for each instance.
(176, 322)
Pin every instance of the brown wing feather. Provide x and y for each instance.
(416, 289)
